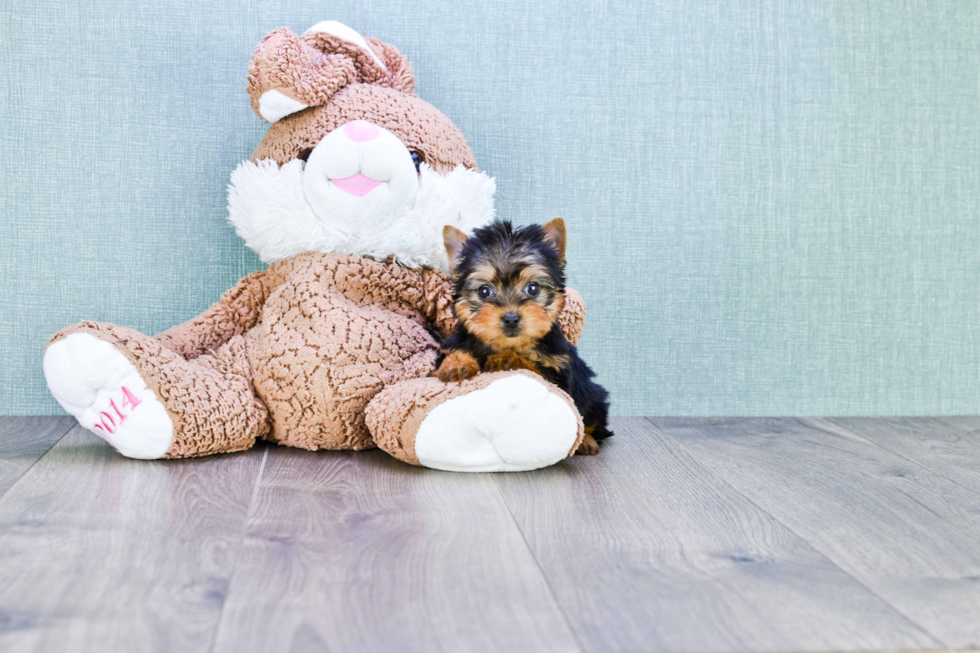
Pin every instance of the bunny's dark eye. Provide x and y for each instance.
(532, 289)
(417, 159)
(485, 292)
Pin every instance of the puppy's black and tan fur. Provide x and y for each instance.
(509, 291)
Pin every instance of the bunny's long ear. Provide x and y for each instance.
(331, 37)
(287, 75)
(400, 75)
(376, 62)
(290, 72)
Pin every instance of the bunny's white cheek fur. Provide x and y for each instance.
(283, 211)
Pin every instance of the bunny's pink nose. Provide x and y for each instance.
(360, 131)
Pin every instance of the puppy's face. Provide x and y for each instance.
(510, 285)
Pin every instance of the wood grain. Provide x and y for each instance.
(970, 424)
(102, 553)
(909, 534)
(692, 535)
(646, 549)
(944, 448)
(23, 440)
(356, 551)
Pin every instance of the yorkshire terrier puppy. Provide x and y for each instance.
(509, 291)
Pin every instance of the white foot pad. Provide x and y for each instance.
(514, 424)
(97, 384)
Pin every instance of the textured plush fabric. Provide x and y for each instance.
(772, 205)
(211, 400)
(427, 131)
(310, 68)
(295, 354)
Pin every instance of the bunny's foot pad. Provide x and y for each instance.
(102, 389)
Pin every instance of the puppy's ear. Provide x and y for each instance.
(554, 232)
(454, 239)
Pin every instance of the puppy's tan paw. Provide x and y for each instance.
(458, 366)
(589, 446)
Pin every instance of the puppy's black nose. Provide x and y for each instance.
(511, 320)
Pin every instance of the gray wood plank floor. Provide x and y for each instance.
(23, 440)
(102, 553)
(681, 535)
(909, 534)
(356, 551)
(944, 447)
(640, 539)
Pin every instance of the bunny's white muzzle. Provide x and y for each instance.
(360, 177)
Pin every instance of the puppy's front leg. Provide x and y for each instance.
(589, 445)
(506, 362)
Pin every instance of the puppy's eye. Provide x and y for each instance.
(485, 292)
(417, 159)
(532, 289)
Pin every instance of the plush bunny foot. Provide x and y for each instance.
(500, 422)
(147, 400)
(103, 390)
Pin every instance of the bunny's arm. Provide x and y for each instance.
(572, 316)
(238, 310)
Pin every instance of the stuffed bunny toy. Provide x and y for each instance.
(331, 346)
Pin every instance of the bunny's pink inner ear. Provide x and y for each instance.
(331, 37)
(400, 75)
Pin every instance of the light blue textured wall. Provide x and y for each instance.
(774, 206)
